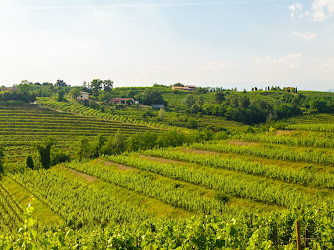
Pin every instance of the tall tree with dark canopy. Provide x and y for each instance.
(29, 162)
(96, 86)
(44, 151)
(108, 85)
(60, 83)
(219, 97)
(152, 96)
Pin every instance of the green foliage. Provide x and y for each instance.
(273, 152)
(152, 96)
(61, 94)
(141, 141)
(192, 123)
(59, 156)
(79, 203)
(75, 92)
(152, 186)
(44, 151)
(29, 162)
(221, 197)
(60, 83)
(108, 85)
(83, 148)
(118, 143)
(221, 135)
(96, 86)
(219, 97)
(302, 176)
(188, 101)
(161, 114)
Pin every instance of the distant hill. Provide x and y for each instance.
(330, 90)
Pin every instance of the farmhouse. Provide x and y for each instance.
(84, 96)
(187, 88)
(122, 100)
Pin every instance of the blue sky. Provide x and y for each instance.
(140, 42)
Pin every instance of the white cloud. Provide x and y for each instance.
(296, 9)
(305, 36)
(322, 9)
(291, 61)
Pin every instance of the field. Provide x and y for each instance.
(247, 191)
(23, 124)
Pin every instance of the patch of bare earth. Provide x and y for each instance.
(118, 166)
(242, 143)
(196, 151)
(162, 160)
(88, 178)
(283, 132)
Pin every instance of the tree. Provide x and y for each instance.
(59, 156)
(161, 115)
(29, 162)
(104, 96)
(60, 83)
(100, 140)
(75, 92)
(219, 97)
(115, 144)
(192, 123)
(188, 101)
(96, 86)
(61, 94)
(85, 86)
(24, 88)
(118, 143)
(108, 85)
(84, 148)
(44, 151)
(244, 102)
(178, 85)
(152, 96)
(194, 109)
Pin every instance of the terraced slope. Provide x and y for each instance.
(20, 125)
(278, 170)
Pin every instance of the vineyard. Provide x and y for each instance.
(250, 191)
(21, 125)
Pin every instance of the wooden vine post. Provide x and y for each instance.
(299, 246)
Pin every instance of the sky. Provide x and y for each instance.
(218, 43)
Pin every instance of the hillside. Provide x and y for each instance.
(23, 124)
(247, 190)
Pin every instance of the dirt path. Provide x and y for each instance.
(118, 166)
(283, 132)
(162, 160)
(197, 151)
(243, 143)
(88, 178)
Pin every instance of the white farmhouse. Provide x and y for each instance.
(84, 96)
